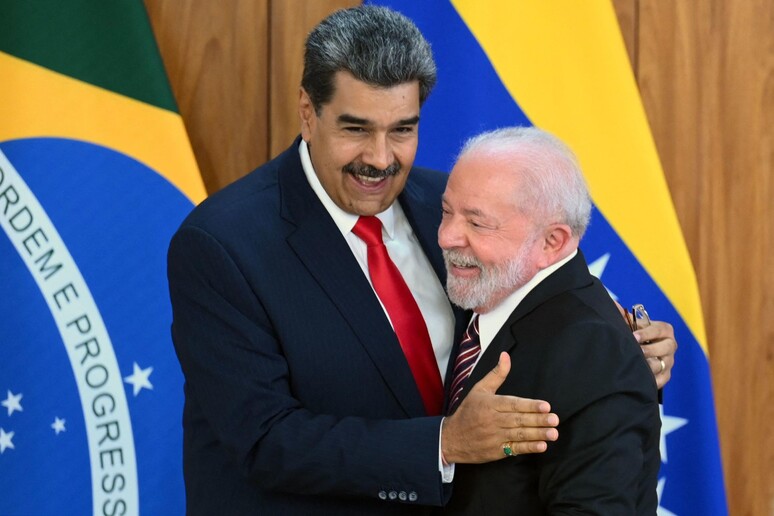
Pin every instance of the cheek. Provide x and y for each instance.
(406, 151)
(344, 152)
(489, 253)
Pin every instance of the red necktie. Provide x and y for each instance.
(470, 348)
(407, 320)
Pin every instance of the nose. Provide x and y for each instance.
(379, 152)
(450, 234)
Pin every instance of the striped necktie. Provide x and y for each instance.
(470, 348)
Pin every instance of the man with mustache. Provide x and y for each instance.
(514, 211)
(310, 319)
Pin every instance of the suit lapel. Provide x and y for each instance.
(573, 274)
(423, 211)
(324, 252)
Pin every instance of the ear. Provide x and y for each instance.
(558, 242)
(306, 114)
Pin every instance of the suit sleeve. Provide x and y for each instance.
(608, 433)
(237, 377)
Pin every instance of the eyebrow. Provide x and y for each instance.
(351, 119)
(474, 211)
(466, 211)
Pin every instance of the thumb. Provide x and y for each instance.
(495, 378)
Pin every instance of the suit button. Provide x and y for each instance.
(412, 496)
(393, 495)
(382, 495)
(402, 495)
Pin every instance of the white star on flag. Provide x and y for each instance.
(139, 379)
(5, 440)
(668, 425)
(58, 425)
(12, 403)
(597, 269)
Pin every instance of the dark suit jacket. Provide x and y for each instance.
(298, 398)
(570, 346)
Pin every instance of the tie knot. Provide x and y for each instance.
(472, 331)
(369, 230)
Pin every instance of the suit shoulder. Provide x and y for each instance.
(236, 203)
(577, 355)
(585, 317)
(427, 179)
(585, 329)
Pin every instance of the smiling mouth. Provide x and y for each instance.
(369, 180)
(456, 260)
(459, 268)
(371, 176)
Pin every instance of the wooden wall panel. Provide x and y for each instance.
(706, 72)
(216, 56)
(626, 11)
(289, 27)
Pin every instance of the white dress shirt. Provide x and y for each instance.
(404, 249)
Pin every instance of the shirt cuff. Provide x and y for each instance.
(446, 470)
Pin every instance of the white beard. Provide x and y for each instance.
(499, 280)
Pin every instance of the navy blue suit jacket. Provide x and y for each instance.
(570, 346)
(298, 398)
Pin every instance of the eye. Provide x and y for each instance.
(354, 129)
(408, 129)
(481, 225)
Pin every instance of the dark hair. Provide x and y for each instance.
(376, 45)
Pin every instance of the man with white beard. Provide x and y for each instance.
(514, 211)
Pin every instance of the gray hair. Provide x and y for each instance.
(552, 182)
(376, 45)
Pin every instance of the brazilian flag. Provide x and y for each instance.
(561, 65)
(96, 173)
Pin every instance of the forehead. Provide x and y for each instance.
(484, 184)
(363, 100)
(482, 176)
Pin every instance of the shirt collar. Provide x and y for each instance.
(343, 220)
(491, 322)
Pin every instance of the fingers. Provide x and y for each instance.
(657, 330)
(494, 378)
(515, 421)
(661, 367)
(657, 365)
(663, 378)
(521, 406)
(530, 435)
(521, 448)
(467, 441)
(484, 422)
(659, 347)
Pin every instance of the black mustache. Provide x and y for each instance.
(361, 169)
